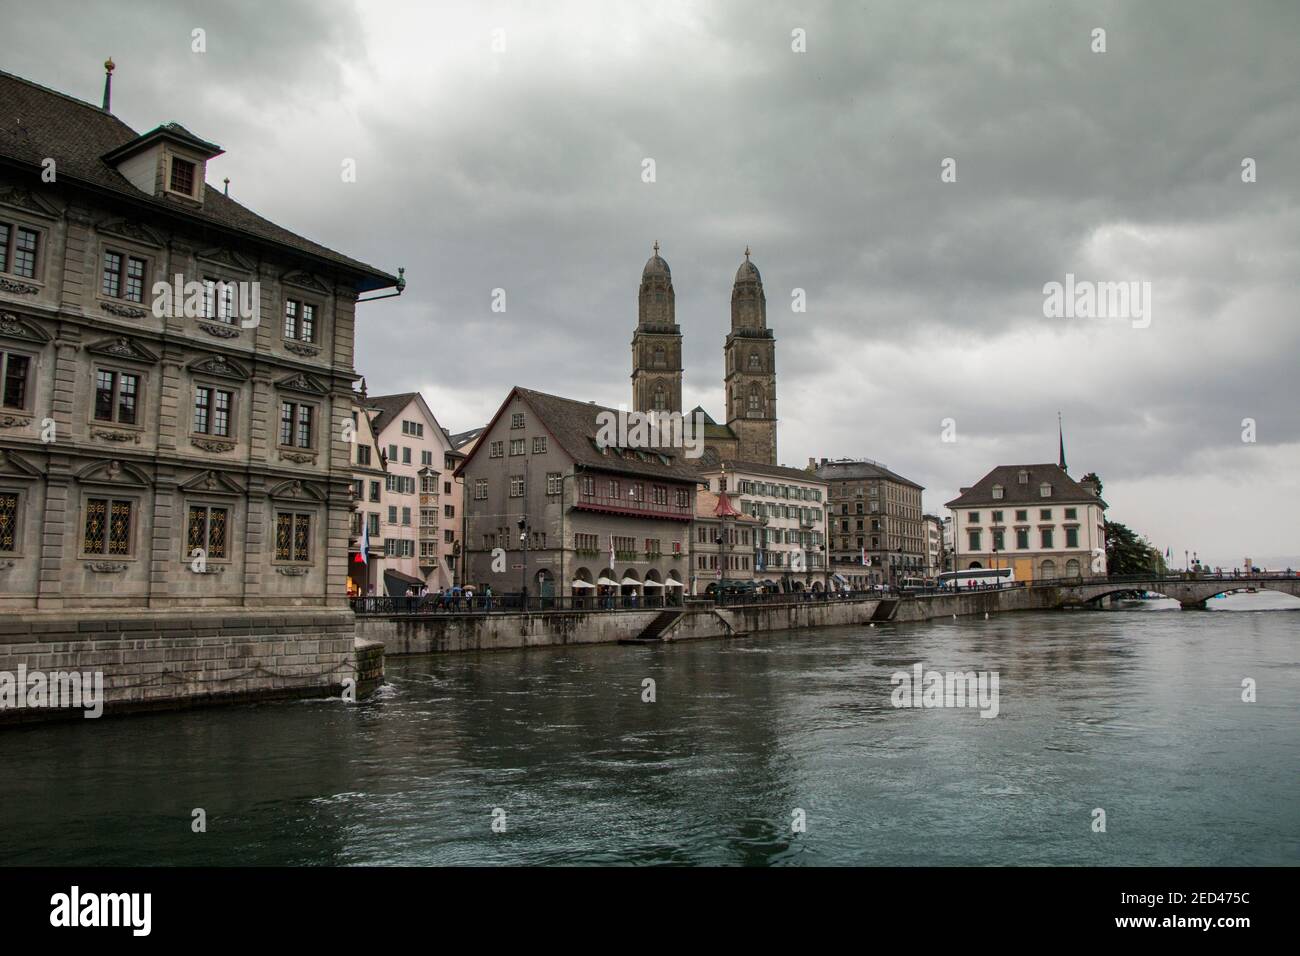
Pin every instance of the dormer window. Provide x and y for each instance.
(997, 491)
(1045, 490)
(168, 160)
(1024, 477)
(182, 176)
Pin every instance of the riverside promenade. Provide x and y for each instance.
(407, 626)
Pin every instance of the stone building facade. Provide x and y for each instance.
(175, 374)
(596, 520)
(874, 514)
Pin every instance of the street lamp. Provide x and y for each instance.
(523, 564)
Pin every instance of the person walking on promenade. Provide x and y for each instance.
(487, 597)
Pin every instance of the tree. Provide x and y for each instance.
(1129, 553)
(1095, 479)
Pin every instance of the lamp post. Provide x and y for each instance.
(523, 564)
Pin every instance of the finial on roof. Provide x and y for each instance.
(746, 251)
(226, 191)
(656, 247)
(108, 83)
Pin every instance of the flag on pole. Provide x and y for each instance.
(611, 552)
(864, 555)
(363, 553)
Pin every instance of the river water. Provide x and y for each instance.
(1137, 712)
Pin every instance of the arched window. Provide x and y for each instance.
(660, 359)
(755, 362)
(755, 400)
(660, 399)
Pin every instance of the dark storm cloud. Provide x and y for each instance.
(521, 170)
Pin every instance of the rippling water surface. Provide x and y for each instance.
(1138, 712)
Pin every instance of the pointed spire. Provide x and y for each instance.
(108, 83)
(1060, 432)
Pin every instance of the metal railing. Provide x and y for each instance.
(510, 603)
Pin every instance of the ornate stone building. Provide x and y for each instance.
(749, 384)
(175, 373)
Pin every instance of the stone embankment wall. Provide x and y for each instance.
(163, 659)
(435, 633)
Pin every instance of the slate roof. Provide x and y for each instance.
(1065, 490)
(461, 439)
(388, 406)
(855, 470)
(36, 123)
(773, 471)
(711, 428)
(575, 425)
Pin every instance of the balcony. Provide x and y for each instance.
(635, 507)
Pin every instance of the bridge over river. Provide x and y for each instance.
(1189, 590)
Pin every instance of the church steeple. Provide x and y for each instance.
(1060, 434)
(657, 341)
(750, 382)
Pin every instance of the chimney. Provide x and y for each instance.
(108, 84)
(812, 463)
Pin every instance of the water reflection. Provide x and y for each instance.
(1138, 713)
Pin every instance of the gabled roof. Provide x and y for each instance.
(36, 123)
(575, 426)
(1065, 490)
(389, 407)
(855, 470)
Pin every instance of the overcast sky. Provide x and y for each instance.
(521, 169)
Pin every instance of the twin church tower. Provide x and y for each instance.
(749, 383)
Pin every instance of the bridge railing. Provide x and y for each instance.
(1182, 577)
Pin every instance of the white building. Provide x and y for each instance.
(790, 506)
(1035, 519)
